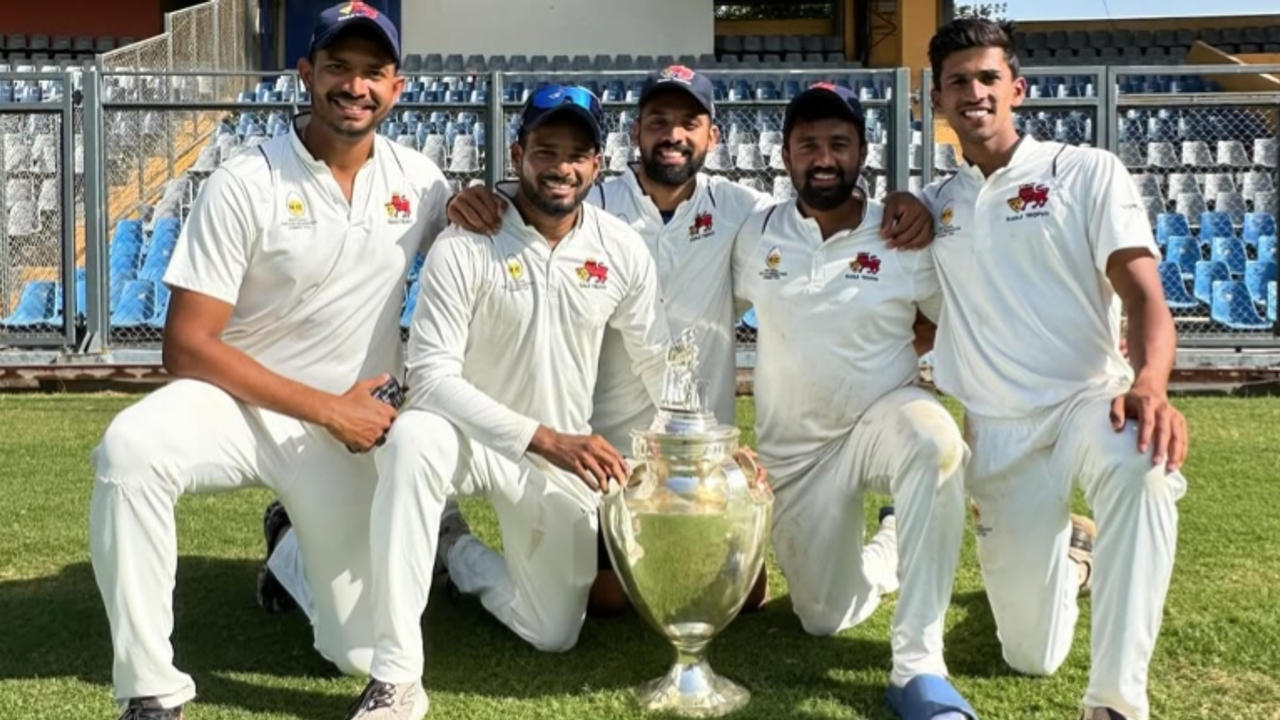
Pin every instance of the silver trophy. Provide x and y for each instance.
(687, 537)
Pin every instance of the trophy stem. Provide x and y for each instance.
(691, 688)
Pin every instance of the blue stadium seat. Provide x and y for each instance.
(1257, 274)
(160, 308)
(1209, 272)
(35, 305)
(1267, 248)
(136, 304)
(1185, 251)
(126, 247)
(1175, 290)
(1230, 251)
(1216, 225)
(1171, 225)
(1233, 307)
(1257, 224)
(158, 253)
(410, 299)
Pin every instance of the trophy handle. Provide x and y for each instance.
(751, 468)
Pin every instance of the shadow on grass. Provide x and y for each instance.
(57, 627)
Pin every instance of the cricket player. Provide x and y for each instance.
(286, 288)
(1039, 246)
(688, 220)
(837, 409)
(503, 353)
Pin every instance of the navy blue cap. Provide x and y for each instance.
(679, 77)
(825, 100)
(343, 16)
(551, 100)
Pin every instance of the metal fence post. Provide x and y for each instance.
(97, 295)
(67, 203)
(926, 127)
(899, 166)
(496, 147)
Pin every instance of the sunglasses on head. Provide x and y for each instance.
(552, 96)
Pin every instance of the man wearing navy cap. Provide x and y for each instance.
(503, 352)
(837, 409)
(286, 288)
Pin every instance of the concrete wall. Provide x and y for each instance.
(558, 27)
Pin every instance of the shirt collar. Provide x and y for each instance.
(1023, 150)
(632, 179)
(514, 222)
(300, 122)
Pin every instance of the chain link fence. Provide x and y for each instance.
(1207, 169)
(38, 276)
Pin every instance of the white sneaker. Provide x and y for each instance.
(385, 701)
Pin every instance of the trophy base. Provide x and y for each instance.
(692, 690)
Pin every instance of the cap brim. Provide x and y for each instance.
(569, 109)
(660, 88)
(338, 30)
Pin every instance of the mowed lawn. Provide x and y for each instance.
(1218, 657)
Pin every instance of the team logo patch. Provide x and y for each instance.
(296, 211)
(1030, 197)
(701, 227)
(593, 274)
(515, 268)
(679, 73)
(946, 220)
(398, 209)
(864, 266)
(358, 8)
(772, 260)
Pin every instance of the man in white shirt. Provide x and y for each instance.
(286, 289)
(688, 220)
(503, 353)
(837, 409)
(1038, 247)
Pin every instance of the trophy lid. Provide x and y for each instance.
(681, 412)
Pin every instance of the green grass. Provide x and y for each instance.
(1218, 657)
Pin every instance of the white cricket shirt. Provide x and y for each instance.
(1029, 317)
(506, 334)
(836, 326)
(693, 253)
(316, 283)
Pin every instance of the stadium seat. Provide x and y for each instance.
(1175, 289)
(1185, 252)
(1231, 154)
(1215, 183)
(1231, 203)
(1230, 251)
(1254, 181)
(1267, 248)
(1215, 224)
(1232, 307)
(1149, 185)
(1257, 224)
(782, 188)
(1160, 154)
(1170, 225)
(620, 159)
(1154, 207)
(1257, 274)
(136, 305)
(158, 254)
(1265, 201)
(1182, 182)
(1132, 155)
(1265, 152)
(1207, 273)
(35, 305)
(944, 157)
(23, 219)
(1189, 204)
(49, 199)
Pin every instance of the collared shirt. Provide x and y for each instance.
(692, 251)
(316, 282)
(1030, 317)
(506, 334)
(836, 326)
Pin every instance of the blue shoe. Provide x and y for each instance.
(926, 696)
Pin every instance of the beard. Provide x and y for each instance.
(552, 207)
(827, 198)
(671, 175)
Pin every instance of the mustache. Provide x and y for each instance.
(348, 97)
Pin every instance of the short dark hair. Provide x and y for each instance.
(965, 33)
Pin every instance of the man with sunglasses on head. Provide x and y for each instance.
(503, 352)
(838, 412)
(286, 290)
(688, 220)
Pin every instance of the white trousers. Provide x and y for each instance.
(538, 587)
(1021, 477)
(192, 437)
(906, 445)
